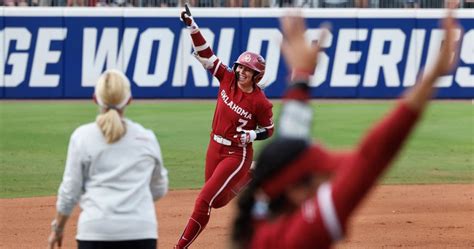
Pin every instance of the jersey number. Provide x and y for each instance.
(242, 122)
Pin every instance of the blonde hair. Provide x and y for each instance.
(112, 94)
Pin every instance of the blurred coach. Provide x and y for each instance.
(115, 170)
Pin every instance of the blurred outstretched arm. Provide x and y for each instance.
(418, 96)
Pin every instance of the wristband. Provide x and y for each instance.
(252, 135)
(298, 74)
(295, 120)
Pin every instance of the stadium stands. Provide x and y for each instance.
(244, 3)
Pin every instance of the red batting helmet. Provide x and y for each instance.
(253, 61)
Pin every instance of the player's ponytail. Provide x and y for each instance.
(112, 94)
(252, 204)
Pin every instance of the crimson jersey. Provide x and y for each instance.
(322, 219)
(235, 108)
(227, 160)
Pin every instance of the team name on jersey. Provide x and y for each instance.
(234, 107)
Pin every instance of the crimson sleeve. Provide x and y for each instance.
(323, 218)
(201, 46)
(265, 120)
(218, 69)
(308, 228)
(373, 155)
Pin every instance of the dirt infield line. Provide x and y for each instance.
(415, 216)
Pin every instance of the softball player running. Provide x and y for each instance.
(243, 114)
(115, 170)
(302, 194)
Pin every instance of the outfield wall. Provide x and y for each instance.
(371, 53)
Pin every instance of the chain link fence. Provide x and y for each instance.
(245, 3)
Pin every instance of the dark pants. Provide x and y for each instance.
(128, 244)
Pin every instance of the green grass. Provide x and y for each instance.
(441, 150)
(34, 138)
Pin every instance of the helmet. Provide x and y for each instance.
(253, 61)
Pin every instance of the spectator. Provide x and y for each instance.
(258, 3)
(452, 3)
(361, 3)
(71, 3)
(235, 3)
(468, 4)
(19, 3)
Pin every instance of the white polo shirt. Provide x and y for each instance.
(115, 184)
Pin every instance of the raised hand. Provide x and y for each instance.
(188, 19)
(299, 54)
(418, 96)
(447, 57)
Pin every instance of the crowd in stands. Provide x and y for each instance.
(244, 3)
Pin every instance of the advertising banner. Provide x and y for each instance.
(60, 52)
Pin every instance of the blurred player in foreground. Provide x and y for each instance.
(243, 114)
(302, 194)
(114, 168)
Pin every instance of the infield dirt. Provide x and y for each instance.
(394, 216)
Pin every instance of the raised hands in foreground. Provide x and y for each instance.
(417, 97)
(300, 55)
(301, 58)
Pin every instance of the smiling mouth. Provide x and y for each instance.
(242, 78)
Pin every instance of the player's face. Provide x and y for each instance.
(245, 75)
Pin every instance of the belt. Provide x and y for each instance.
(221, 140)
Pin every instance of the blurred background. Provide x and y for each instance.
(244, 3)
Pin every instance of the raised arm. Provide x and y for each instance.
(202, 50)
(381, 145)
(418, 96)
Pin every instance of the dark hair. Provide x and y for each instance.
(275, 156)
